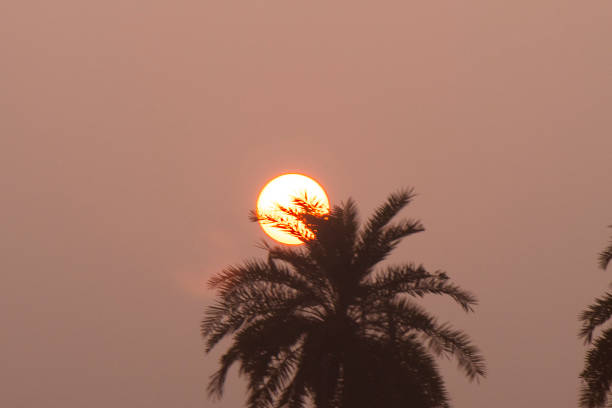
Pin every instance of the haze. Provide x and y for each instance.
(135, 136)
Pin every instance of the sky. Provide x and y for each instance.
(135, 136)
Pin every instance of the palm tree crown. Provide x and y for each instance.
(597, 374)
(324, 322)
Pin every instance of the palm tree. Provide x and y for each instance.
(597, 374)
(325, 323)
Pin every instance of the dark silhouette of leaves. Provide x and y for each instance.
(597, 374)
(605, 256)
(323, 323)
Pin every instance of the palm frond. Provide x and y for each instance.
(350, 218)
(415, 281)
(597, 314)
(378, 239)
(249, 304)
(442, 339)
(396, 232)
(295, 392)
(279, 373)
(267, 350)
(451, 342)
(406, 314)
(421, 365)
(217, 380)
(605, 256)
(383, 214)
(298, 220)
(597, 374)
(378, 250)
(302, 263)
(298, 258)
(255, 271)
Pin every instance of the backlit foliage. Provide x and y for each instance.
(326, 323)
(597, 374)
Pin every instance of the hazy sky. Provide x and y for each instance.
(135, 136)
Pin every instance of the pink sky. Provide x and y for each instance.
(135, 136)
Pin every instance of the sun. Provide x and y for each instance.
(281, 191)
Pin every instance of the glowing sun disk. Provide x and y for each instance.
(281, 191)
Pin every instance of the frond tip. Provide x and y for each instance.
(387, 211)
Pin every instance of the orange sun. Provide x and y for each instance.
(281, 191)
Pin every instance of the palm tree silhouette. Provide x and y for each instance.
(597, 373)
(323, 323)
